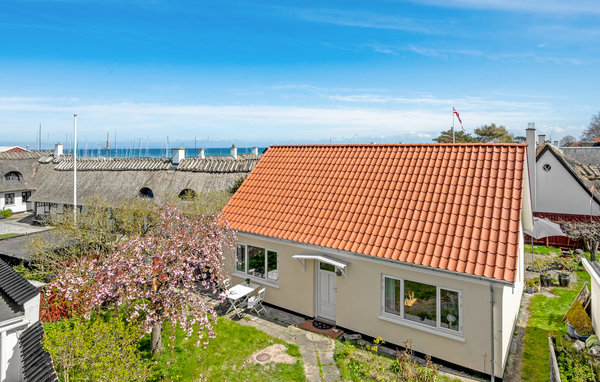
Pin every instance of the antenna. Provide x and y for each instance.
(40, 138)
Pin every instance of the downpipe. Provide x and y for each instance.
(493, 359)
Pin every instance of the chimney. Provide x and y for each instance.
(233, 151)
(556, 143)
(541, 139)
(596, 139)
(255, 151)
(178, 155)
(201, 154)
(530, 134)
(58, 150)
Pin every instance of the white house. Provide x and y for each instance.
(562, 188)
(19, 309)
(406, 242)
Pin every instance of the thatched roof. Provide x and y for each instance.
(27, 168)
(119, 178)
(212, 164)
(23, 154)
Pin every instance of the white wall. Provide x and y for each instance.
(359, 303)
(18, 206)
(558, 192)
(10, 357)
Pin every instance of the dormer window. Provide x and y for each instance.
(13, 176)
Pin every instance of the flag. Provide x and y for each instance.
(458, 116)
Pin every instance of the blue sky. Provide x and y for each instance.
(258, 73)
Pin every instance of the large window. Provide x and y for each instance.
(257, 262)
(425, 304)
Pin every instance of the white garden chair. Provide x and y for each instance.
(255, 302)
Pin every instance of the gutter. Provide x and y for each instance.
(380, 259)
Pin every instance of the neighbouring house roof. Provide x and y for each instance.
(18, 247)
(37, 363)
(14, 286)
(453, 207)
(12, 149)
(24, 154)
(587, 175)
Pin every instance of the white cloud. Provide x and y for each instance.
(533, 6)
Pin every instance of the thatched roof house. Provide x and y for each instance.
(50, 175)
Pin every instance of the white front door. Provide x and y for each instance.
(326, 288)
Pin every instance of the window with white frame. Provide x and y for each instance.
(257, 262)
(421, 303)
(9, 199)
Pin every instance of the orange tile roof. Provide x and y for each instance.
(451, 207)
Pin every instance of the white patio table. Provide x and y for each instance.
(238, 295)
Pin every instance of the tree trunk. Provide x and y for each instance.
(156, 338)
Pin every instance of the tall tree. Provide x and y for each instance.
(567, 141)
(593, 129)
(493, 134)
(588, 232)
(155, 277)
(459, 136)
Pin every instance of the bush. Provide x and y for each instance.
(6, 213)
(102, 349)
(579, 319)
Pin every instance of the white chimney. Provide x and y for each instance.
(556, 143)
(531, 149)
(58, 150)
(255, 150)
(541, 139)
(233, 151)
(178, 155)
(201, 154)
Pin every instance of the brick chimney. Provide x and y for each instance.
(233, 151)
(178, 155)
(596, 139)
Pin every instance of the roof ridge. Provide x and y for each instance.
(406, 145)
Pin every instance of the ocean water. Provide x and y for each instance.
(154, 152)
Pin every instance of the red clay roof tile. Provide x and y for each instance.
(451, 207)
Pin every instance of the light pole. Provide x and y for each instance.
(75, 168)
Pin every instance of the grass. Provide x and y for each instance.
(358, 364)
(7, 235)
(546, 316)
(225, 356)
(541, 249)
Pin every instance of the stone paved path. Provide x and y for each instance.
(316, 349)
(14, 225)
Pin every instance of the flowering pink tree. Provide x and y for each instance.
(156, 277)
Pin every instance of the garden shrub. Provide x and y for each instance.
(6, 213)
(101, 349)
(579, 319)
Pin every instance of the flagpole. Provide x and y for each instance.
(453, 140)
(75, 169)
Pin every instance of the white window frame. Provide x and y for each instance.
(266, 280)
(438, 329)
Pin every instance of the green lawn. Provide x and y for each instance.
(7, 235)
(546, 316)
(224, 357)
(361, 364)
(542, 249)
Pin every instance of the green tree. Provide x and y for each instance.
(593, 129)
(101, 349)
(567, 141)
(493, 134)
(459, 136)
